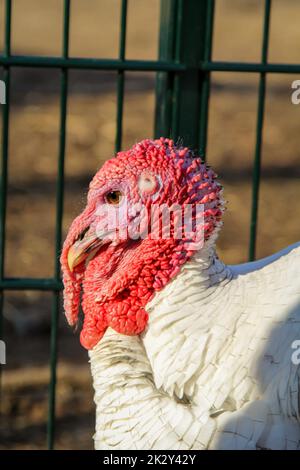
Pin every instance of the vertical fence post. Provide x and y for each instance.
(4, 163)
(205, 82)
(259, 132)
(58, 235)
(121, 76)
(179, 95)
(164, 80)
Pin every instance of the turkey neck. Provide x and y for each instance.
(180, 317)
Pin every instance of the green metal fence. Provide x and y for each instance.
(182, 97)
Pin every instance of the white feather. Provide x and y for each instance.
(214, 368)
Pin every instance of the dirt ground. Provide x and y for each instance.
(33, 141)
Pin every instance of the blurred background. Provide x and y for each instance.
(91, 126)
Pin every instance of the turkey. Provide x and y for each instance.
(186, 352)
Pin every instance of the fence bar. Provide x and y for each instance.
(5, 133)
(30, 284)
(90, 64)
(180, 97)
(205, 90)
(191, 81)
(144, 65)
(58, 238)
(165, 81)
(4, 165)
(176, 76)
(249, 67)
(259, 133)
(121, 76)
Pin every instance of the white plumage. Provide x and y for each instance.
(214, 368)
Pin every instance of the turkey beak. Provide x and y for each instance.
(84, 248)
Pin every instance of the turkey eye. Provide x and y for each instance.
(113, 197)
